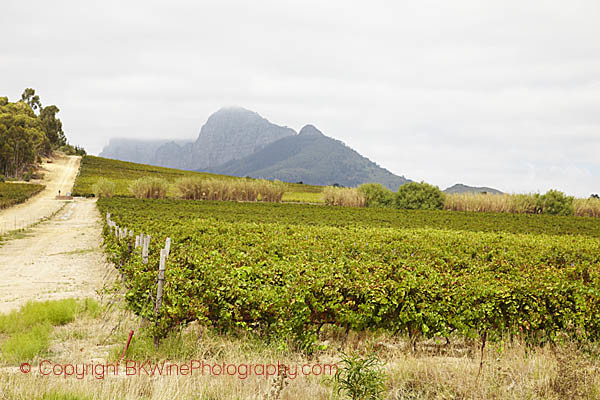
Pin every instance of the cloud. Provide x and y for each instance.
(500, 94)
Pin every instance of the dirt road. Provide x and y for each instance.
(58, 258)
(58, 175)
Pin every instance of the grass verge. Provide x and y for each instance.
(27, 331)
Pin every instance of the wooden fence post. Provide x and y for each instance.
(167, 247)
(145, 249)
(161, 280)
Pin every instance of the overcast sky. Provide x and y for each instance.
(503, 94)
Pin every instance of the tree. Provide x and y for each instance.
(31, 99)
(21, 137)
(376, 195)
(52, 126)
(415, 196)
(556, 203)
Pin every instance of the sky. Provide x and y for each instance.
(503, 94)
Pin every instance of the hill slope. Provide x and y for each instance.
(314, 159)
(460, 188)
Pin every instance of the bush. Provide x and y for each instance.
(338, 196)
(149, 188)
(71, 150)
(555, 202)
(419, 196)
(360, 378)
(27, 177)
(2, 178)
(104, 188)
(376, 195)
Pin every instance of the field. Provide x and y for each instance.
(468, 305)
(15, 193)
(123, 173)
(286, 271)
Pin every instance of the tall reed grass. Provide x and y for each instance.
(104, 188)
(587, 207)
(507, 203)
(348, 197)
(149, 188)
(191, 188)
(514, 203)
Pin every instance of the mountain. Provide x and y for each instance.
(312, 158)
(230, 133)
(134, 150)
(460, 188)
(233, 133)
(240, 142)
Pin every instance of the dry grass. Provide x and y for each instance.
(433, 371)
(347, 197)
(508, 203)
(149, 188)
(512, 203)
(104, 188)
(587, 207)
(229, 190)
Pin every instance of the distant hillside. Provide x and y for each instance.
(314, 159)
(240, 142)
(460, 188)
(136, 150)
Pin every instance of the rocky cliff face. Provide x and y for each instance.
(233, 133)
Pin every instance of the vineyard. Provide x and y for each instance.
(15, 193)
(123, 173)
(287, 270)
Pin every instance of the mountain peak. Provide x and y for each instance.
(236, 113)
(310, 130)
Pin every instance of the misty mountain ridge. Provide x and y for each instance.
(312, 158)
(240, 142)
(459, 188)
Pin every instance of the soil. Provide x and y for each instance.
(59, 255)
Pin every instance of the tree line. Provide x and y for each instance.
(28, 132)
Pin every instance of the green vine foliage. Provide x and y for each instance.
(286, 279)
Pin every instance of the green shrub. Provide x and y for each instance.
(360, 378)
(2, 178)
(555, 202)
(376, 195)
(104, 188)
(419, 196)
(27, 177)
(71, 150)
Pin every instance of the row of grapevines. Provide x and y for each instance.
(15, 193)
(289, 279)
